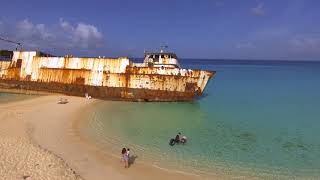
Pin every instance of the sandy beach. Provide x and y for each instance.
(39, 140)
(20, 156)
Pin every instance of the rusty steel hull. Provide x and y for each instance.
(104, 78)
(107, 93)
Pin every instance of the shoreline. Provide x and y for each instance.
(237, 171)
(42, 130)
(106, 151)
(27, 92)
(51, 126)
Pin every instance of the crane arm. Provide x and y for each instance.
(10, 41)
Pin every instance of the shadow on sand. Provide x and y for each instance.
(132, 159)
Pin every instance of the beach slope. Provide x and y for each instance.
(39, 140)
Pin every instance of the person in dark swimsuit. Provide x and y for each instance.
(177, 139)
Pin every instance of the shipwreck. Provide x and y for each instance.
(158, 78)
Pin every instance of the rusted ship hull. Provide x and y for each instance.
(114, 79)
(107, 93)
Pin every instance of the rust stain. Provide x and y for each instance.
(105, 78)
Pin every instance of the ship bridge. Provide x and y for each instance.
(161, 59)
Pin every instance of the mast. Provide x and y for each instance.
(162, 47)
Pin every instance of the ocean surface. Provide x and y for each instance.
(255, 119)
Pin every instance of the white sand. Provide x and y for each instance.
(20, 158)
(42, 121)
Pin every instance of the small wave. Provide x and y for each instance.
(176, 171)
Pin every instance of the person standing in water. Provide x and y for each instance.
(125, 157)
(128, 153)
(177, 139)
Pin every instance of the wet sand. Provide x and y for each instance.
(50, 147)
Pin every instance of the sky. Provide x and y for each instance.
(209, 29)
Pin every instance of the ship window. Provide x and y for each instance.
(156, 59)
(162, 56)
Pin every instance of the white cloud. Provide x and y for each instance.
(61, 36)
(258, 10)
(82, 35)
(25, 25)
(245, 45)
(85, 33)
(41, 28)
(308, 44)
(65, 25)
(27, 28)
(280, 43)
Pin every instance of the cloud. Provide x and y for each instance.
(1, 26)
(65, 25)
(258, 10)
(34, 35)
(82, 35)
(305, 44)
(280, 43)
(85, 34)
(245, 45)
(60, 37)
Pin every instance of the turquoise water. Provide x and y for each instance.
(9, 97)
(255, 119)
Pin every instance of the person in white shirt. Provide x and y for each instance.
(128, 152)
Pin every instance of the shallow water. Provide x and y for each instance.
(255, 119)
(10, 97)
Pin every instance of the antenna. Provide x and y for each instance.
(162, 47)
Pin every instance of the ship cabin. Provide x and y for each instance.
(161, 59)
(6, 55)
